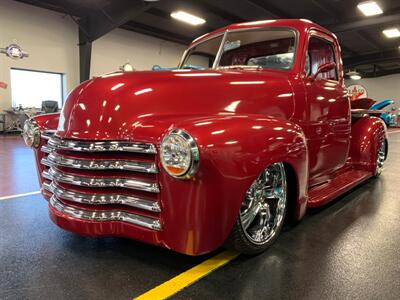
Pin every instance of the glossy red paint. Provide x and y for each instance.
(242, 121)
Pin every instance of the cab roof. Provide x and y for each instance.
(301, 25)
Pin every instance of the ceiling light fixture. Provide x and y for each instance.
(370, 8)
(354, 75)
(187, 18)
(391, 33)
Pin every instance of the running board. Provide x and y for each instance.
(322, 194)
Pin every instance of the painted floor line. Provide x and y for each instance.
(18, 195)
(176, 284)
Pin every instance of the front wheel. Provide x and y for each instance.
(380, 158)
(262, 212)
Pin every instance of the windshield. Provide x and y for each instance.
(262, 48)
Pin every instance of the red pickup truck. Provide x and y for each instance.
(253, 127)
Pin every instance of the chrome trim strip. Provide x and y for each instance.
(220, 50)
(105, 215)
(98, 164)
(47, 134)
(86, 146)
(101, 199)
(46, 149)
(134, 184)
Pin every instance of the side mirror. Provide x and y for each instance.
(323, 69)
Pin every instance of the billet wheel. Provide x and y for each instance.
(262, 212)
(380, 158)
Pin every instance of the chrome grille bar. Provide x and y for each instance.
(101, 199)
(135, 184)
(60, 160)
(114, 146)
(46, 149)
(105, 215)
(47, 134)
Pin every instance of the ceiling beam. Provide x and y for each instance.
(348, 50)
(368, 39)
(328, 8)
(364, 23)
(383, 56)
(98, 22)
(381, 73)
(231, 18)
(270, 9)
(156, 32)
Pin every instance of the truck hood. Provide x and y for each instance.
(141, 105)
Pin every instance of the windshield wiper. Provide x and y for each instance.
(241, 67)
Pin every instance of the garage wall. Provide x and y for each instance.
(49, 38)
(381, 88)
(120, 46)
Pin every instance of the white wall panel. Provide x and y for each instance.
(49, 38)
(381, 88)
(119, 46)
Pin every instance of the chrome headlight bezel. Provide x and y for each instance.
(192, 164)
(31, 133)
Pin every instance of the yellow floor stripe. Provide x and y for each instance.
(174, 285)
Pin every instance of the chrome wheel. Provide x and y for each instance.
(380, 159)
(263, 208)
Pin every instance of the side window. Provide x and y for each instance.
(198, 61)
(307, 67)
(320, 52)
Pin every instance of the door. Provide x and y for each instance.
(328, 110)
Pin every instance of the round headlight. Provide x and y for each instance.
(31, 133)
(179, 154)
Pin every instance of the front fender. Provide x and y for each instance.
(233, 152)
(45, 122)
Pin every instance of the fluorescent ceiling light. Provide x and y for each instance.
(355, 77)
(392, 32)
(187, 18)
(370, 8)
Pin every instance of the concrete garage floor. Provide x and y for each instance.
(348, 249)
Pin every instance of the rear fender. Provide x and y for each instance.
(233, 152)
(367, 134)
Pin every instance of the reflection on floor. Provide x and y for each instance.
(348, 249)
(17, 166)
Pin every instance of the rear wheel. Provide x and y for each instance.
(380, 158)
(262, 212)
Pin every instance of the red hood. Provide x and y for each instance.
(141, 105)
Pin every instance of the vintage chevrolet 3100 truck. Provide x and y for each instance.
(253, 127)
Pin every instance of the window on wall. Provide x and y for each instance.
(29, 88)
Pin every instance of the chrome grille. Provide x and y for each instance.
(96, 177)
(101, 199)
(64, 161)
(101, 216)
(85, 146)
(54, 174)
